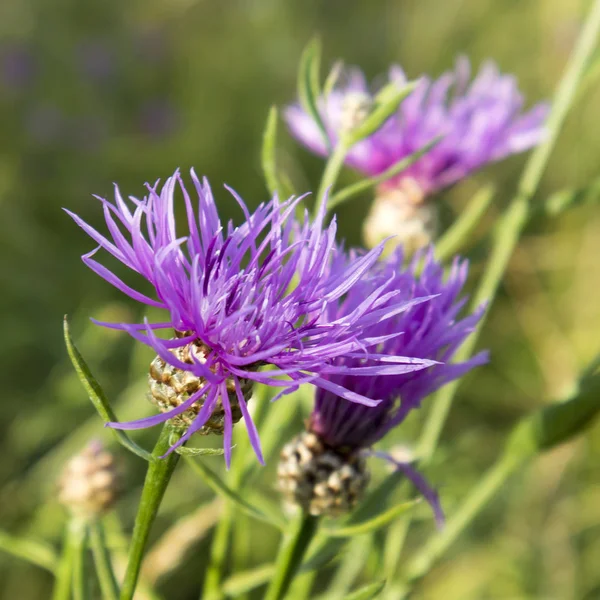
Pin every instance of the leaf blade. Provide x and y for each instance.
(308, 85)
(220, 487)
(374, 523)
(367, 592)
(397, 168)
(98, 397)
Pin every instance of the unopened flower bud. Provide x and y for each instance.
(402, 212)
(170, 387)
(90, 483)
(319, 479)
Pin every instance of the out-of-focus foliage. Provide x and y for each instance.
(92, 93)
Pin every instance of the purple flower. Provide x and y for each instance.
(431, 331)
(239, 298)
(17, 65)
(480, 122)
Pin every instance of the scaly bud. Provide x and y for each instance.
(319, 479)
(170, 387)
(89, 484)
(402, 212)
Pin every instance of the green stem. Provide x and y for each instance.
(331, 173)
(71, 560)
(80, 577)
(218, 553)
(157, 478)
(459, 232)
(514, 219)
(493, 480)
(546, 428)
(303, 584)
(218, 556)
(290, 555)
(511, 224)
(102, 561)
(365, 184)
(394, 542)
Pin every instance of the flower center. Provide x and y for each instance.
(170, 387)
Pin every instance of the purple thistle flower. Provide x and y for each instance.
(480, 122)
(431, 331)
(242, 297)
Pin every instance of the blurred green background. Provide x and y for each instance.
(100, 92)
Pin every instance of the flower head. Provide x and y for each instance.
(431, 331)
(239, 298)
(478, 123)
(90, 483)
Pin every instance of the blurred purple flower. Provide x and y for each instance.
(431, 331)
(242, 297)
(481, 122)
(17, 66)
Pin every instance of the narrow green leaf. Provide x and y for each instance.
(324, 552)
(69, 583)
(332, 78)
(365, 184)
(565, 199)
(35, 552)
(541, 431)
(268, 152)
(220, 487)
(244, 581)
(328, 548)
(103, 562)
(455, 236)
(372, 524)
(308, 84)
(367, 592)
(375, 501)
(558, 422)
(98, 397)
(386, 104)
(200, 451)
(314, 70)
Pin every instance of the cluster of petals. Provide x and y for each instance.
(260, 293)
(477, 122)
(431, 330)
